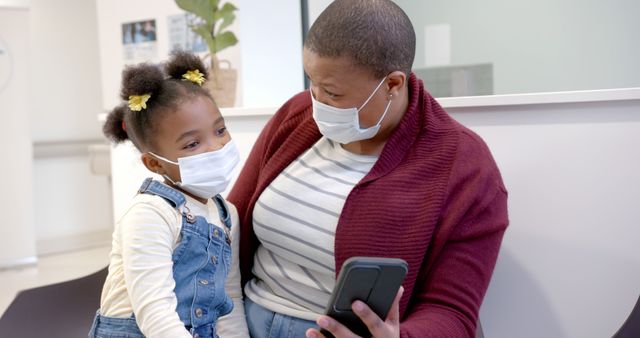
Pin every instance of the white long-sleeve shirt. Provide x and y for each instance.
(140, 276)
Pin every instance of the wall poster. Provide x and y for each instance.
(182, 37)
(139, 41)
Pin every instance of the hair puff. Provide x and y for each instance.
(181, 62)
(141, 79)
(114, 128)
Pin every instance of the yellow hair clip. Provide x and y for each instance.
(194, 76)
(138, 102)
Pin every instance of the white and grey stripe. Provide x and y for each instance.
(312, 187)
(294, 237)
(343, 166)
(274, 245)
(304, 164)
(276, 283)
(295, 220)
(306, 204)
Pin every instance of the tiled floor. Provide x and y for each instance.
(51, 269)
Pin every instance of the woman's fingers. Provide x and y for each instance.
(338, 330)
(313, 333)
(379, 328)
(394, 314)
(375, 324)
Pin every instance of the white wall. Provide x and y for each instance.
(569, 264)
(17, 240)
(65, 87)
(271, 51)
(15, 3)
(72, 206)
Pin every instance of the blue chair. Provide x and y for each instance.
(63, 310)
(631, 327)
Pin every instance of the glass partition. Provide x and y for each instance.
(467, 48)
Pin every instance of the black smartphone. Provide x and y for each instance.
(373, 280)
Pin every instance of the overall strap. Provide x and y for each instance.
(172, 196)
(223, 210)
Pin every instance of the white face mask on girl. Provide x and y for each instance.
(343, 124)
(208, 174)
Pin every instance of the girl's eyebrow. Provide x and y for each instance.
(195, 131)
(186, 134)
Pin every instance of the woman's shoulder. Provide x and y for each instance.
(473, 159)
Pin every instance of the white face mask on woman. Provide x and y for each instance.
(343, 124)
(208, 174)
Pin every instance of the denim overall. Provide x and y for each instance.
(201, 262)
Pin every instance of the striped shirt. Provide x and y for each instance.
(295, 220)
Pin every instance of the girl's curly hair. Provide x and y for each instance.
(166, 88)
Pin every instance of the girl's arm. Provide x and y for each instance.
(148, 232)
(234, 324)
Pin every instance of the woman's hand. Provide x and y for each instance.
(389, 328)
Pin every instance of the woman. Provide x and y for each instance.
(367, 163)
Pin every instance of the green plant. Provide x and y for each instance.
(212, 15)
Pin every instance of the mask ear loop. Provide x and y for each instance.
(385, 110)
(162, 158)
(168, 161)
(374, 92)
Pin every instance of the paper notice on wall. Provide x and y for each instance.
(181, 36)
(5, 65)
(437, 40)
(139, 41)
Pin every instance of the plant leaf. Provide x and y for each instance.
(227, 16)
(201, 8)
(224, 40)
(204, 31)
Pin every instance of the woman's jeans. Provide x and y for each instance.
(264, 323)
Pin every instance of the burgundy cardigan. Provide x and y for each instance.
(434, 198)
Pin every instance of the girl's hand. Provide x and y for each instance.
(389, 328)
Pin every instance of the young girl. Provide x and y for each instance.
(176, 245)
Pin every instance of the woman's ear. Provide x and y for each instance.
(152, 164)
(396, 82)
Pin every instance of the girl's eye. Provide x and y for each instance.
(191, 145)
(221, 131)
